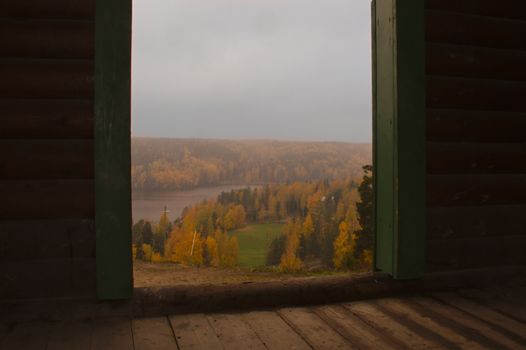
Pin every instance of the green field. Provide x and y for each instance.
(253, 242)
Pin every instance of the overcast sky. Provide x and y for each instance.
(278, 69)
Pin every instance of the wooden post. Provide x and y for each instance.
(112, 148)
(399, 136)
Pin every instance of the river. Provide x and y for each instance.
(149, 205)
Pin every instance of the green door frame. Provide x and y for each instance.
(399, 136)
(398, 141)
(112, 150)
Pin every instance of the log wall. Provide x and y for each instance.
(47, 238)
(476, 122)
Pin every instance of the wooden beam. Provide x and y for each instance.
(112, 148)
(46, 79)
(481, 31)
(46, 159)
(512, 9)
(57, 9)
(399, 122)
(444, 125)
(475, 94)
(24, 119)
(52, 39)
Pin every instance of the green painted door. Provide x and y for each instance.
(112, 148)
(399, 136)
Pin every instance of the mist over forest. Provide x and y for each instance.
(178, 164)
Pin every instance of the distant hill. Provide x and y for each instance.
(159, 163)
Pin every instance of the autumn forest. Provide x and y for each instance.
(306, 206)
(175, 164)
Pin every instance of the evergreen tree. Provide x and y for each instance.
(365, 235)
(159, 238)
(147, 233)
(162, 231)
(164, 222)
(276, 250)
(137, 229)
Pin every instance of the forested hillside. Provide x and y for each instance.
(328, 224)
(175, 164)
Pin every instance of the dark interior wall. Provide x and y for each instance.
(476, 116)
(47, 239)
(476, 132)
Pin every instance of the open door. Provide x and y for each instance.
(399, 136)
(112, 148)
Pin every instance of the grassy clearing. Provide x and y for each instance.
(254, 241)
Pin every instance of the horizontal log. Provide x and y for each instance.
(461, 29)
(475, 94)
(514, 9)
(46, 78)
(476, 158)
(469, 190)
(475, 62)
(460, 254)
(47, 199)
(475, 126)
(60, 9)
(47, 239)
(47, 39)
(46, 119)
(46, 159)
(47, 278)
(180, 299)
(476, 221)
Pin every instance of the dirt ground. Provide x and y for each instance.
(167, 274)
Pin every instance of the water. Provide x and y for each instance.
(150, 205)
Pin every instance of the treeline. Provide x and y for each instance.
(176, 164)
(329, 224)
(335, 230)
(198, 238)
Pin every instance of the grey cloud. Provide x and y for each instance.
(288, 69)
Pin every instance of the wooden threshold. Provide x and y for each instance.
(161, 301)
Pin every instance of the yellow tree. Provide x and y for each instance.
(213, 251)
(229, 220)
(344, 247)
(195, 256)
(190, 219)
(226, 251)
(341, 210)
(308, 226)
(177, 246)
(239, 215)
(185, 247)
(235, 217)
(147, 249)
(232, 252)
(290, 262)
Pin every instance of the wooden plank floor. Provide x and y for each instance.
(467, 319)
